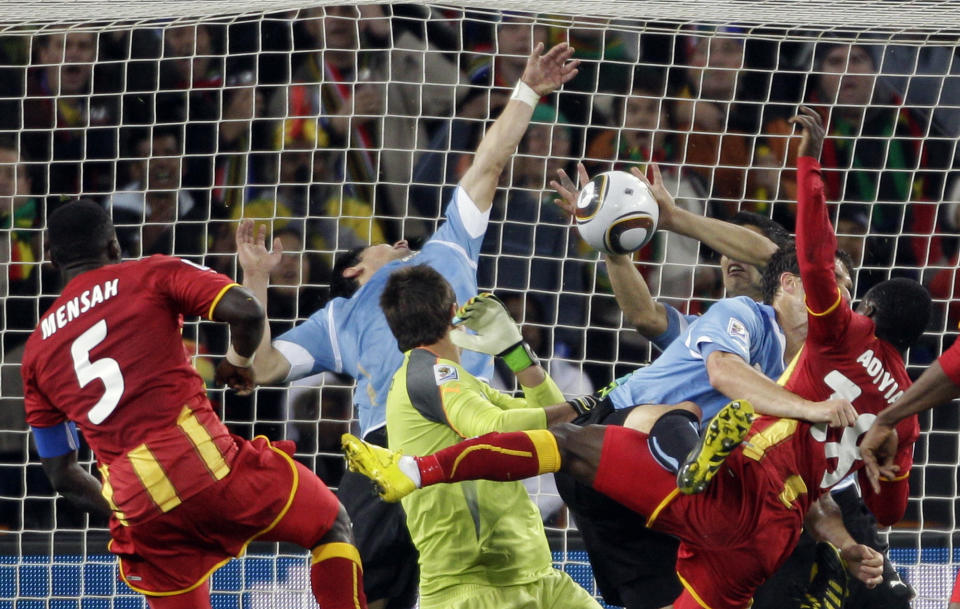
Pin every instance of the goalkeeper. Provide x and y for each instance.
(481, 543)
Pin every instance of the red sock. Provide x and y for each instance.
(494, 456)
(337, 576)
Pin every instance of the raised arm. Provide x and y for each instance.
(269, 365)
(633, 295)
(544, 74)
(733, 241)
(816, 240)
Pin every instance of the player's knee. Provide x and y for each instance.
(562, 432)
(579, 449)
(341, 531)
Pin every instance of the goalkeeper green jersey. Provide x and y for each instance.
(475, 532)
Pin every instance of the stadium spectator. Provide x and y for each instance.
(644, 132)
(21, 217)
(481, 545)
(217, 101)
(490, 74)
(311, 188)
(526, 243)
(876, 159)
(373, 104)
(349, 335)
(717, 146)
(182, 494)
(156, 213)
(66, 121)
(607, 55)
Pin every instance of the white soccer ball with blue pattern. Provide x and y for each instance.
(616, 213)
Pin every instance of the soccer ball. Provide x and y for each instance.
(616, 213)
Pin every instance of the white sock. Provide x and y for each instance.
(408, 465)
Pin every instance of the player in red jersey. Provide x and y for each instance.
(939, 384)
(740, 529)
(182, 493)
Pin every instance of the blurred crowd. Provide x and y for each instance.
(345, 125)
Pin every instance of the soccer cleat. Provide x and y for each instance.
(379, 464)
(827, 588)
(724, 433)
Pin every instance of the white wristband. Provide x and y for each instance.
(238, 360)
(526, 94)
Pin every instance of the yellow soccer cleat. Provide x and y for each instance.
(379, 464)
(724, 433)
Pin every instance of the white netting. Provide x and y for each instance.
(344, 125)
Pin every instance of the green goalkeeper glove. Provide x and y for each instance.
(496, 332)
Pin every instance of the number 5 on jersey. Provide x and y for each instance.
(106, 369)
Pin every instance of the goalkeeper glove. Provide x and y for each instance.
(496, 332)
(583, 404)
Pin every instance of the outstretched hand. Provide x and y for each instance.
(252, 251)
(812, 132)
(665, 201)
(568, 191)
(547, 72)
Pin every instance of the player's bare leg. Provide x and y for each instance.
(336, 573)
(569, 448)
(642, 418)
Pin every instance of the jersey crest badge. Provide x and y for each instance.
(444, 373)
(737, 330)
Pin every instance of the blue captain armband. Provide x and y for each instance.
(57, 440)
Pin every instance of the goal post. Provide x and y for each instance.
(339, 125)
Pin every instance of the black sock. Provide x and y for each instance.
(672, 438)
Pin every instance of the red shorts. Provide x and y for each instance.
(267, 495)
(733, 536)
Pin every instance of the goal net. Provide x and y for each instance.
(341, 125)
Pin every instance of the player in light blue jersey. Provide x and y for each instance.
(738, 326)
(350, 334)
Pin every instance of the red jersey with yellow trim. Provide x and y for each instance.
(841, 358)
(108, 355)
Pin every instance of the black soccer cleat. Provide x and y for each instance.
(829, 582)
(724, 433)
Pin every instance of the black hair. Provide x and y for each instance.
(416, 302)
(78, 231)
(902, 310)
(771, 229)
(340, 286)
(824, 48)
(784, 260)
